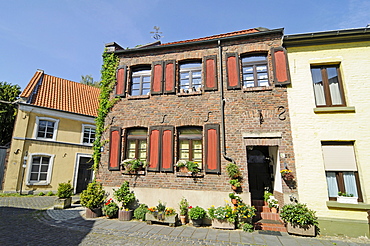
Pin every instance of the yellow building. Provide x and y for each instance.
(53, 136)
(330, 120)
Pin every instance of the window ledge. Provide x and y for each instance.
(334, 110)
(138, 97)
(258, 88)
(138, 173)
(348, 206)
(182, 94)
(189, 175)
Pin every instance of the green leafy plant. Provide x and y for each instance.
(235, 182)
(247, 227)
(245, 211)
(41, 194)
(192, 166)
(266, 195)
(197, 213)
(223, 213)
(65, 190)
(140, 212)
(93, 196)
(169, 211)
(50, 193)
(110, 208)
(273, 202)
(184, 207)
(298, 214)
(233, 171)
(161, 207)
(345, 194)
(133, 165)
(124, 195)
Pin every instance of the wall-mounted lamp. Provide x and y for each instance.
(65, 154)
(17, 151)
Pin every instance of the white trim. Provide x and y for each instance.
(36, 128)
(50, 169)
(56, 113)
(262, 135)
(77, 166)
(82, 134)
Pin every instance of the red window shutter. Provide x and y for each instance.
(167, 148)
(212, 148)
(114, 149)
(157, 78)
(121, 80)
(210, 68)
(280, 65)
(154, 148)
(170, 77)
(233, 71)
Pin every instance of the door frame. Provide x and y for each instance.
(77, 166)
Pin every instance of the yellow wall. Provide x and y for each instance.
(309, 128)
(65, 149)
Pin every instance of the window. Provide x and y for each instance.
(327, 86)
(255, 72)
(140, 82)
(190, 77)
(88, 134)
(190, 144)
(136, 144)
(46, 128)
(341, 169)
(40, 169)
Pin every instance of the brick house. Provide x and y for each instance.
(213, 100)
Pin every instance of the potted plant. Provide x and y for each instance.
(184, 209)
(233, 171)
(132, 166)
(235, 184)
(110, 209)
(64, 193)
(223, 217)
(234, 198)
(125, 196)
(245, 216)
(346, 198)
(197, 214)
(299, 219)
(266, 196)
(191, 167)
(140, 212)
(273, 204)
(287, 175)
(162, 214)
(92, 198)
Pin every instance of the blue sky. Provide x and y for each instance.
(66, 38)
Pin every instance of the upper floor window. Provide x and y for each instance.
(137, 144)
(88, 134)
(39, 171)
(190, 144)
(255, 72)
(190, 77)
(140, 82)
(46, 128)
(327, 86)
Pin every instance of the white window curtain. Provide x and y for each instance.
(318, 86)
(350, 183)
(332, 184)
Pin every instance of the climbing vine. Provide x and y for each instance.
(108, 80)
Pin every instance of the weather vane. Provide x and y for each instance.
(157, 33)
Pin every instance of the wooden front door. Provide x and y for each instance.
(85, 173)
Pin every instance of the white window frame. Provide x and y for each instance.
(190, 68)
(141, 74)
(82, 133)
(56, 123)
(50, 169)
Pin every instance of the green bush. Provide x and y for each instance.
(124, 195)
(298, 214)
(140, 212)
(247, 227)
(41, 194)
(65, 190)
(50, 193)
(184, 207)
(197, 213)
(110, 208)
(93, 196)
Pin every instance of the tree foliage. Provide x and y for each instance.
(8, 111)
(89, 80)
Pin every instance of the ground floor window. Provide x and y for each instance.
(190, 144)
(136, 144)
(40, 169)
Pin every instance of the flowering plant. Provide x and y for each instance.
(285, 171)
(273, 202)
(184, 207)
(192, 166)
(223, 213)
(152, 210)
(245, 211)
(110, 208)
(133, 165)
(286, 174)
(169, 211)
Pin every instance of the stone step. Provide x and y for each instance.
(269, 225)
(269, 215)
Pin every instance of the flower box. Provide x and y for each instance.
(124, 215)
(161, 218)
(309, 230)
(222, 224)
(62, 203)
(347, 199)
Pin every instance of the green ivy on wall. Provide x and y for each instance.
(108, 80)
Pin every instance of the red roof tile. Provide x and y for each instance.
(62, 94)
(224, 35)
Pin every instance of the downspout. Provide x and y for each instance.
(222, 103)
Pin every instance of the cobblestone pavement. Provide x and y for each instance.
(32, 221)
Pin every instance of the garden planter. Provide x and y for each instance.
(62, 203)
(124, 215)
(347, 199)
(161, 218)
(183, 219)
(93, 213)
(273, 210)
(197, 223)
(303, 231)
(223, 224)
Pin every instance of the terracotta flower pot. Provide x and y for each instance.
(273, 210)
(183, 219)
(234, 201)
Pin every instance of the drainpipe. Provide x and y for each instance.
(222, 102)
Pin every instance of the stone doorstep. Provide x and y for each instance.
(270, 225)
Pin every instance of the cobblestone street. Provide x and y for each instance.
(30, 221)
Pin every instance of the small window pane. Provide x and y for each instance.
(44, 168)
(35, 168)
(43, 177)
(34, 176)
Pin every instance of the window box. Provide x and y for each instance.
(62, 203)
(347, 199)
(222, 224)
(172, 220)
(309, 230)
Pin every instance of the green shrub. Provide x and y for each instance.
(50, 193)
(197, 213)
(233, 170)
(298, 214)
(93, 196)
(248, 227)
(124, 195)
(41, 194)
(140, 212)
(65, 190)
(110, 208)
(184, 207)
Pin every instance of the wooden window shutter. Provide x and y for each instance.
(210, 71)
(233, 71)
(169, 76)
(167, 147)
(154, 148)
(280, 65)
(212, 148)
(114, 149)
(157, 78)
(121, 80)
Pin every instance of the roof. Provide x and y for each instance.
(55, 93)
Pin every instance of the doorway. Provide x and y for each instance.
(85, 172)
(260, 169)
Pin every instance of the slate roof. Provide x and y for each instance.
(52, 92)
